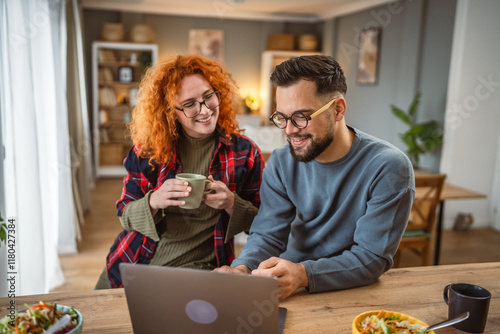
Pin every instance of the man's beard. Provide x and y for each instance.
(315, 148)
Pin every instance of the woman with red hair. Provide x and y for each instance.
(184, 122)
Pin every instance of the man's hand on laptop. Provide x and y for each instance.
(241, 269)
(291, 276)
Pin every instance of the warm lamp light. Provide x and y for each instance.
(252, 103)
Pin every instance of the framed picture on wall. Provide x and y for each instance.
(209, 43)
(369, 54)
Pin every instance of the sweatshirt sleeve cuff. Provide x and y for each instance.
(310, 276)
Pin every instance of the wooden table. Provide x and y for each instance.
(448, 192)
(415, 291)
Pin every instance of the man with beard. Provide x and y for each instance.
(335, 203)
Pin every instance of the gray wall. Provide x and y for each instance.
(368, 105)
(435, 66)
(414, 57)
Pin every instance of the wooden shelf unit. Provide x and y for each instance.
(117, 69)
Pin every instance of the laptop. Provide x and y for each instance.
(180, 300)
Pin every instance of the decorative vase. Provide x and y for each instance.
(308, 42)
(142, 33)
(113, 32)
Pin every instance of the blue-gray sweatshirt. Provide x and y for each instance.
(343, 220)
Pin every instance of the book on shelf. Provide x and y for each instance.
(105, 75)
(105, 55)
(107, 97)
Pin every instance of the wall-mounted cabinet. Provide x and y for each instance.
(270, 59)
(117, 69)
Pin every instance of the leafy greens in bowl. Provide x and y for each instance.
(39, 317)
(387, 322)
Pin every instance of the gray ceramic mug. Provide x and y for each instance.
(198, 183)
(462, 297)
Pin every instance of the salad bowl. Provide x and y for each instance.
(61, 310)
(382, 321)
(79, 326)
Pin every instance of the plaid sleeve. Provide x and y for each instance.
(138, 181)
(129, 247)
(132, 246)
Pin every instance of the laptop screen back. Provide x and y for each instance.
(179, 300)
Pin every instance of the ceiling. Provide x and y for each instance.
(267, 10)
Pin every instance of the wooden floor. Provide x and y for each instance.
(101, 227)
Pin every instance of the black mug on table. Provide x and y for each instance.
(462, 297)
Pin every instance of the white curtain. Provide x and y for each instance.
(38, 189)
(79, 127)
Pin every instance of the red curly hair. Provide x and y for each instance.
(154, 127)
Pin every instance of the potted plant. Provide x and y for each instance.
(420, 138)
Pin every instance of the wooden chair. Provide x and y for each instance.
(420, 229)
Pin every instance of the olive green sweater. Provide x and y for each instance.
(188, 238)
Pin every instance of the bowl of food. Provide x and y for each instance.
(387, 322)
(43, 317)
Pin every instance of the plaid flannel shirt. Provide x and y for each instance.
(238, 165)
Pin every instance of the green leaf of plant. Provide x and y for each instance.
(408, 134)
(420, 138)
(3, 233)
(431, 136)
(414, 105)
(401, 115)
(415, 131)
(419, 149)
(408, 140)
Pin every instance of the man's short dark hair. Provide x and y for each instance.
(323, 70)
